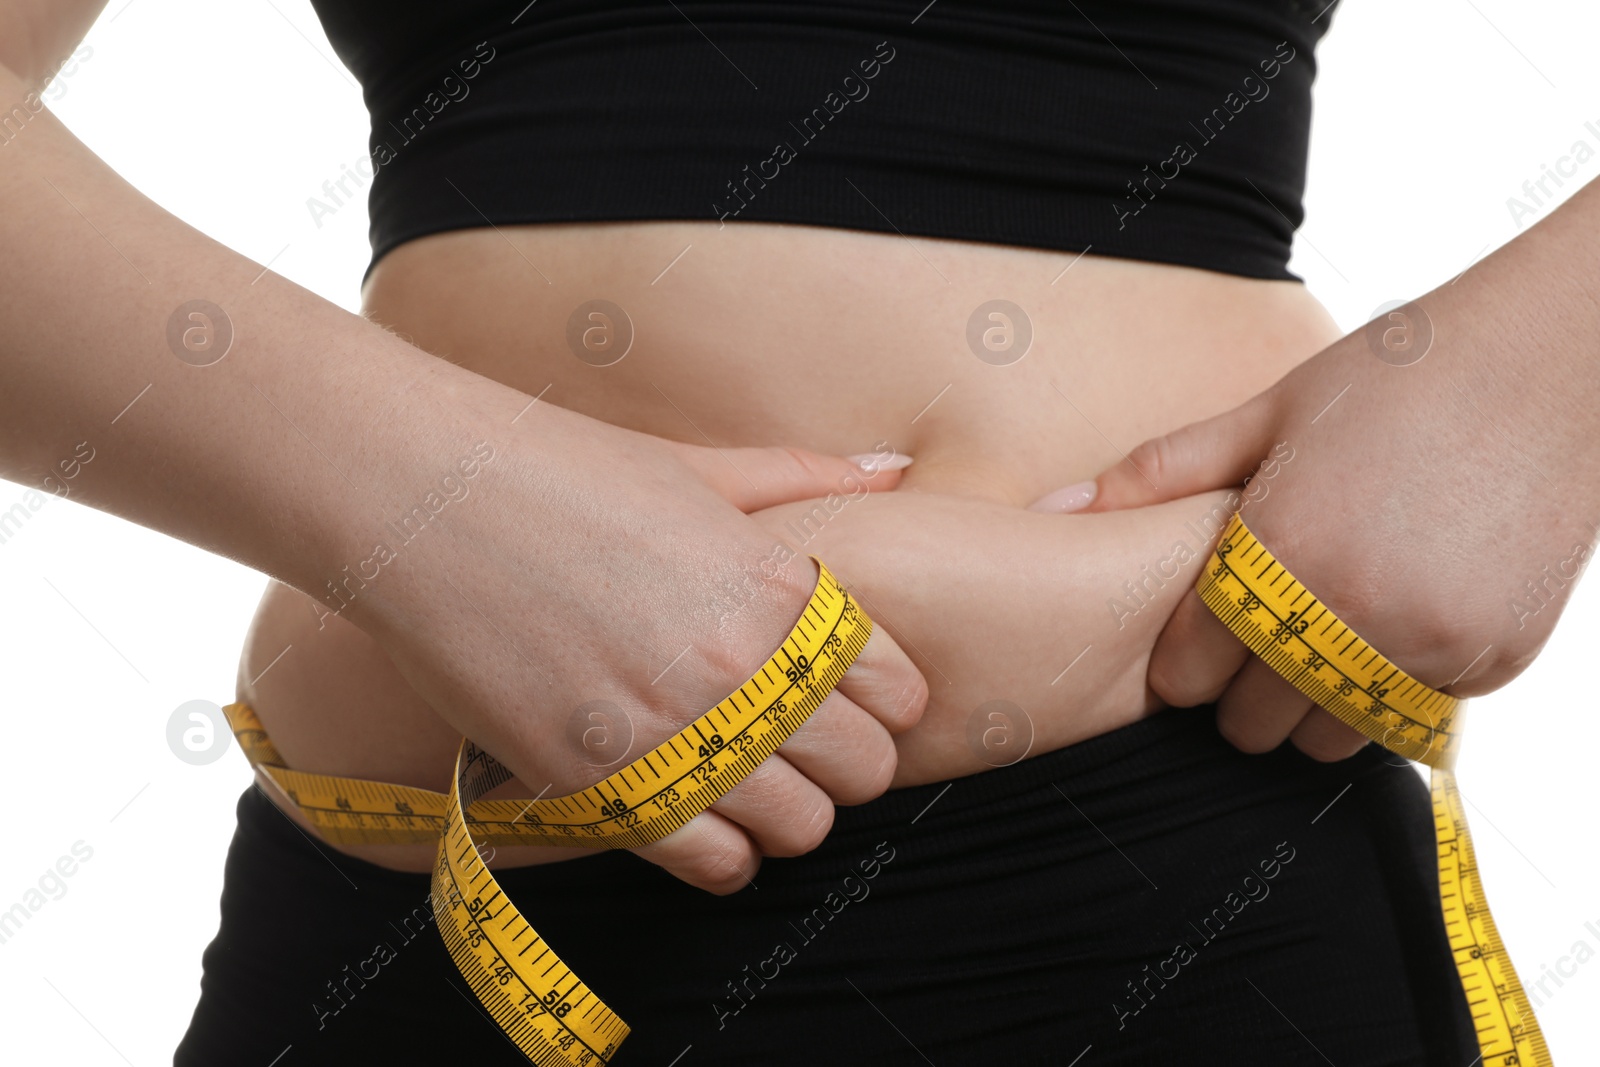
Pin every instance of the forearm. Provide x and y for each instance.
(1036, 624)
(278, 455)
(1517, 335)
(37, 35)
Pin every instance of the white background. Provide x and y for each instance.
(1429, 115)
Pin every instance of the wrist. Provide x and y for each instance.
(420, 441)
(1517, 333)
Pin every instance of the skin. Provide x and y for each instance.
(990, 600)
(1487, 486)
(291, 452)
(604, 527)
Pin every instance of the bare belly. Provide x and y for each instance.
(833, 340)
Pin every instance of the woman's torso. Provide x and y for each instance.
(755, 334)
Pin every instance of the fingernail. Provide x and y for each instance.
(1072, 498)
(873, 462)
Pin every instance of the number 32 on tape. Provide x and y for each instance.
(1297, 636)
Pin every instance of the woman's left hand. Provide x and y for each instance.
(1430, 478)
(1021, 623)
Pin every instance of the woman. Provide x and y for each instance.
(654, 248)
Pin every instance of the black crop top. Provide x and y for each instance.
(1168, 130)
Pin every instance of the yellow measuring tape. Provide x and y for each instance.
(558, 1021)
(553, 1017)
(1295, 633)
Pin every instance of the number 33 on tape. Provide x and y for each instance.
(1297, 636)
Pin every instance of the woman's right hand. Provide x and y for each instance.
(1035, 630)
(581, 562)
(256, 420)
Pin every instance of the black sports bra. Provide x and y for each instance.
(1168, 130)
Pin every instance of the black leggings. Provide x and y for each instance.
(1147, 896)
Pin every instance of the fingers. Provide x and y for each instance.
(885, 684)
(1195, 657)
(1197, 660)
(842, 754)
(781, 810)
(708, 852)
(785, 806)
(1075, 497)
(756, 478)
(846, 752)
(1326, 739)
(1213, 454)
(1260, 709)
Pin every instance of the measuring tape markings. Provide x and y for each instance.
(1324, 652)
(1406, 717)
(546, 1019)
(559, 1021)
